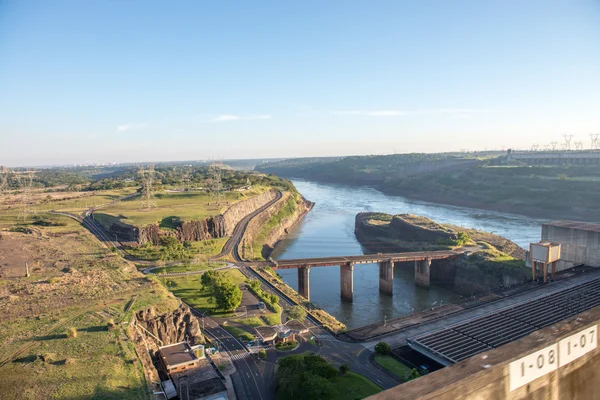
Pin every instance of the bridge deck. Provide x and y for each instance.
(365, 259)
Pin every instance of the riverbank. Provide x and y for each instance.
(551, 192)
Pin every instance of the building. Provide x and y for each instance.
(270, 335)
(177, 357)
(296, 327)
(192, 374)
(580, 242)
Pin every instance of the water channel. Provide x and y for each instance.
(328, 230)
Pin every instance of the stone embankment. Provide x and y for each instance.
(214, 227)
(173, 327)
(493, 263)
(269, 239)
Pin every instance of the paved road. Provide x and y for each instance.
(240, 228)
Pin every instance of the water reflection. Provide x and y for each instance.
(328, 230)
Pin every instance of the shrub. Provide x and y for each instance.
(71, 333)
(262, 354)
(383, 348)
(344, 368)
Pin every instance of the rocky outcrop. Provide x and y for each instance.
(174, 327)
(209, 228)
(301, 208)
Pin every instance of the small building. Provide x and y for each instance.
(177, 357)
(296, 327)
(580, 242)
(267, 334)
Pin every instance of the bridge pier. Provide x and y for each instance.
(304, 281)
(347, 281)
(386, 277)
(422, 273)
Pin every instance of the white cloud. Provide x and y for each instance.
(229, 117)
(130, 127)
(373, 113)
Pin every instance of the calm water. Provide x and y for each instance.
(328, 230)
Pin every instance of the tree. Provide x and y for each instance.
(344, 368)
(274, 298)
(383, 348)
(262, 354)
(228, 295)
(296, 312)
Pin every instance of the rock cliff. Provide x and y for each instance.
(268, 239)
(174, 327)
(209, 228)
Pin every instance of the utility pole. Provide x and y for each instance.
(147, 177)
(26, 270)
(25, 181)
(568, 141)
(595, 139)
(215, 173)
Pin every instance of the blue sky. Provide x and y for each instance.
(105, 81)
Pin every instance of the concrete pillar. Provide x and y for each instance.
(422, 276)
(304, 282)
(545, 272)
(386, 277)
(533, 267)
(554, 269)
(347, 281)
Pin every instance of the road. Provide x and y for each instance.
(255, 379)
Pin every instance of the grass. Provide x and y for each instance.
(272, 319)
(252, 322)
(239, 332)
(286, 346)
(394, 366)
(61, 313)
(351, 386)
(209, 248)
(188, 268)
(287, 209)
(190, 290)
(186, 206)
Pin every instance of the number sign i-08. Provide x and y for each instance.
(533, 366)
(538, 364)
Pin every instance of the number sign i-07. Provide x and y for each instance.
(577, 345)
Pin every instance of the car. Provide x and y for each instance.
(261, 305)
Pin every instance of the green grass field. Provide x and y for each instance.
(188, 268)
(189, 289)
(239, 332)
(251, 321)
(394, 366)
(271, 319)
(95, 199)
(185, 206)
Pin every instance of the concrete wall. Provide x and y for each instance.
(488, 375)
(577, 246)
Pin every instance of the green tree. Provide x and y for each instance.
(383, 348)
(296, 312)
(228, 296)
(344, 368)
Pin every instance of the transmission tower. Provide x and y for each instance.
(535, 147)
(553, 145)
(216, 185)
(25, 181)
(148, 201)
(568, 141)
(578, 145)
(595, 139)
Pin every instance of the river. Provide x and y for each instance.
(328, 230)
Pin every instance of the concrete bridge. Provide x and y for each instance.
(386, 262)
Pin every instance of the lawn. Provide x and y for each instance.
(353, 386)
(188, 268)
(271, 319)
(394, 366)
(94, 199)
(186, 206)
(189, 289)
(239, 333)
(251, 322)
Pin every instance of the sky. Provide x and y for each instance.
(125, 81)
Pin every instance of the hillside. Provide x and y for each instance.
(554, 192)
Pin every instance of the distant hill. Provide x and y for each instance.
(482, 181)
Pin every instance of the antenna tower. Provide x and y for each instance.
(25, 181)
(595, 138)
(568, 141)
(148, 201)
(214, 171)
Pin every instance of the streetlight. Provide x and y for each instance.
(203, 318)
